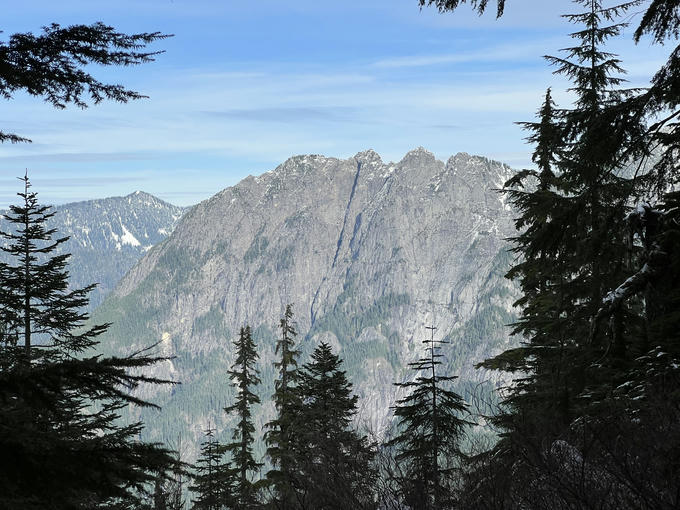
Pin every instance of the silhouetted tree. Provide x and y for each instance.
(429, 437)
(55, 65)
(450, 5)
(333, 462)
(244, 375)
(62, 445)
(214, 479)
(281, 430)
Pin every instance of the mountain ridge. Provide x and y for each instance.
(369, 253)
(107, 236)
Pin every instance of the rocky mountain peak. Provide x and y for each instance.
(108, 236)
(420, 154)
(368, 157)
(368, 253)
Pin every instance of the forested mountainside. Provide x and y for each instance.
(369, 254)
(108, 236)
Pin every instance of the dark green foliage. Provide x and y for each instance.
(37, 299)
(661, 19)
(450, 5)
(280, 437)
(572, 242)
(214, 479)
(169, 493)
(429, 437)
(584, 424)
(333, 462)
(52, 65)
(62, 444)
(244, 376)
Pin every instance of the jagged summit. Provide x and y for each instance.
(419, 153)
(368, 156)
(298, 166)
(362, 248)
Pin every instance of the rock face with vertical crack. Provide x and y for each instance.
(368, 253)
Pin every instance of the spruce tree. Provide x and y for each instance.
(574, 250)
(430, 433)
(572, 244)
(244, 376)
(213, 479)
(62, 445)
(280, 436)
(333, 462)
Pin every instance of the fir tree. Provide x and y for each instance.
(53, 65)
(430, 432)
(213, 478)
(62, 444)
(572, 244)
(589, 422)
(575, 249)
(244, 376)
(280, 436)
(333, 462)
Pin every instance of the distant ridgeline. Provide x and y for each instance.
(108, 237)
(368, 253)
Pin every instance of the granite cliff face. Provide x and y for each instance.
(368, 253)
(108, 236)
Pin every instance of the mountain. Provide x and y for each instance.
(369, 254)
(108, 236)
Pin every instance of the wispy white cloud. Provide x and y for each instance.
(331, 79)
(511, 51)
(78, 156)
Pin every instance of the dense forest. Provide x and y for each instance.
(590, 420)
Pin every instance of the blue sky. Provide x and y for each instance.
(244, 85)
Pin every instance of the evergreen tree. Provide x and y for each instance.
(333, 462)
(430, 432)
(572, 244)
(244, 376)
(53, 65)
(575, 249)
(592, 421)
(61, 443)
(213, 479)
(451, 5)
(280, 436)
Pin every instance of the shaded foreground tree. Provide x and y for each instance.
(429, 437)
(61, 444)
(592, 418)
(244, 376)
(55, 64)
(333, 463)
(214, 479)
(281, 433)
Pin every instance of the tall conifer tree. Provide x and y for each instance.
(572, 244)
(333, 462)
(280, 436)
(574, 248)
(431, 430)
(244, 376)
(214, 479)
(61, 443)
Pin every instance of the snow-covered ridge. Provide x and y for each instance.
(108, 236)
